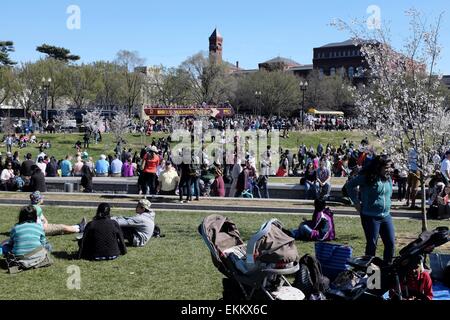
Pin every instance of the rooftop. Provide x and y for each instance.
(346, 43)
(285, 61)
(301, 68)
(215, 34)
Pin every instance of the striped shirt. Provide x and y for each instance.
(26, 237)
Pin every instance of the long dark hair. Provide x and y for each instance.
(103, 211)
(372, 171)
(28, 214)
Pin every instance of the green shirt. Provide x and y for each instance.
(39, 213)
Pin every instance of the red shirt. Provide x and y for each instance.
(151, 164)
(421, 284)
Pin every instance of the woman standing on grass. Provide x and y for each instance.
(374, 205)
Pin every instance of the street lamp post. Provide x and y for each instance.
(46, 86)
(303, 88)
(258, 103)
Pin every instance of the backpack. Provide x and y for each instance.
(309, 278)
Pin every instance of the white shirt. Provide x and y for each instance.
(445, 168)
(436, 159)
(7, 174)
(42, 166)
(40, 155)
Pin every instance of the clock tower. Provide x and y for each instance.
(215, 47)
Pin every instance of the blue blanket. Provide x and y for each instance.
(440, 292)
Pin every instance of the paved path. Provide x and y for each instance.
(263, 206)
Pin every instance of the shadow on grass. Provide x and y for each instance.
(347, 238)
(65, 255)
(6, 234)
(3, 264)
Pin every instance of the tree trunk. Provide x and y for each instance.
(423, 196)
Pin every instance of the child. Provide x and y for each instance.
(53, 229)
(320, 228)
(418, 283)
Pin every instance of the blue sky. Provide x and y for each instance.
(169, 31)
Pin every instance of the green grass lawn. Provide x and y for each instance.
(63, 144)
(177, 267)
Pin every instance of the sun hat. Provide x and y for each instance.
(145, 204)
(36, 197)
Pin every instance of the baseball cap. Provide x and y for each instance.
(36, 197)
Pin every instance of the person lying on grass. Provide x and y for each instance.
(102, 238)
(37, 199)
(138, 230)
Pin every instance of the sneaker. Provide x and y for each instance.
(82, 224)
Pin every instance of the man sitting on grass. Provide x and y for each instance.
(138, 230)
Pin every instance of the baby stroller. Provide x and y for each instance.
(256, 270)
(394, 274)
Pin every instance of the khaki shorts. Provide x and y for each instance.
(413, 180)
(54, 229)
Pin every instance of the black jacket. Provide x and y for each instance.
(37, 182)
(102, 238)
(25, 169)
(52, 169)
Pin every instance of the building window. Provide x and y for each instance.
(351, 72)
(342, 71)
(332, 71)
(321, 73)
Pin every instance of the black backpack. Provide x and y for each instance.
(309, 278)
(157, 232)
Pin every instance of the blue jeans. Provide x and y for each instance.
(375, 227)
(265, 190)
(310, 190)
(195, 184)
(324, 191)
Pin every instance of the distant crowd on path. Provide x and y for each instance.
(253, 123)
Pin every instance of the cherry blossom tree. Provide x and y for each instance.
(120, 125)
(403, 101)
(93, 120)
(64, 116)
